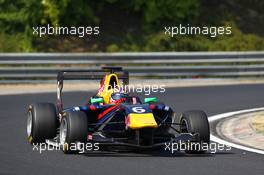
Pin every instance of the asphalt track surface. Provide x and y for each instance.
(17, 157)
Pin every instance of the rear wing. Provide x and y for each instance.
(87, 75)
(92, 74)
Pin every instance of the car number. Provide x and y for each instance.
(138, 109)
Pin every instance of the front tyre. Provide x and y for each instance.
(41, 122)
(73, 129)
(196, 122)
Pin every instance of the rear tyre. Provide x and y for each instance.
(73, 129)
(41, 122)
(196, 122)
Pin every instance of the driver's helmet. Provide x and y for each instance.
(118, 97)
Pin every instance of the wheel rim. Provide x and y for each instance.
(63, 131)
(29, 123)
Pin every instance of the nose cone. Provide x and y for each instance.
(138, 121)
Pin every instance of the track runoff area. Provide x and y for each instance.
(218, 139)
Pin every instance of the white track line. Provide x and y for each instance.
(230, 114)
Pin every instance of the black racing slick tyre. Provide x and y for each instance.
(73, 129)
(41, 122)
(196, 122)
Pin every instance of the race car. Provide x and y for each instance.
(113, 119)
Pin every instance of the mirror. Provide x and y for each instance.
(97, 100)
(150, 99)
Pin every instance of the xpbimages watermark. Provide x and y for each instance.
(211, 31)
(80, 31)
(146, 89)
(195, 147)
(79, 147)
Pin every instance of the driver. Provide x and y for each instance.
(118, 97)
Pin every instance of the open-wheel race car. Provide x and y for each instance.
(112, 118)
